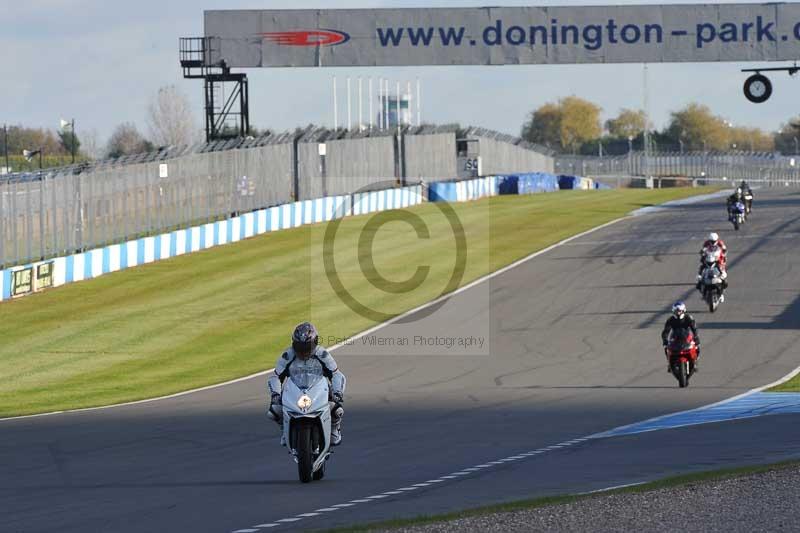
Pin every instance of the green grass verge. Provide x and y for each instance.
(700, 477)
(226, 312)
(793, 385)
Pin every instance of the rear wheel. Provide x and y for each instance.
(305, 455)
(736, 224)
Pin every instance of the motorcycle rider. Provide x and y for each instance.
(680, 319)
(747, 192)
(714, 240)
(305, 347)
(737, 196)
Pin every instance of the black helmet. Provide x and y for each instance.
(305, 339)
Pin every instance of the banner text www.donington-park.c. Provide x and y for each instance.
(504, 35)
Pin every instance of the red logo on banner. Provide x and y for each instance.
(307, 37)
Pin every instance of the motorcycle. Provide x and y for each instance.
(748, 203)
(307, 419)
(737, 215)
(712, 278)
(682, 354)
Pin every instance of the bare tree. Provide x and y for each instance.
(90, 144)
(169, 118)
(125, 140)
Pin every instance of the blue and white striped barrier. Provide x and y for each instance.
(463, 191)
(94, 263)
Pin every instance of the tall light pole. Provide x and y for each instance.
(630, 155)
(5, 144)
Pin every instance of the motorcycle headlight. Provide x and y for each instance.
(304, 403)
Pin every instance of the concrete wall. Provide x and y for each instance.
(348, 165)
(430, 156)
(499, 157)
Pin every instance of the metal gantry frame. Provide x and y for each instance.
(223, 107)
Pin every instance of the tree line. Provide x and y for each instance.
(573, 125)
(169, 120)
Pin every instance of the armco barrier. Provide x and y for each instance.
(528, 183)
(94, 263)
(463, 191)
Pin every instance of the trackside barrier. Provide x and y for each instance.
(463, 191)
(575, 182)
(528, 183)
(26, 279)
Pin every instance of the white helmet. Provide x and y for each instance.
(679, 309)
(713, 237)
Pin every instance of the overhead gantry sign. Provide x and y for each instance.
(505, 36)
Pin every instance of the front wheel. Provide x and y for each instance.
(305, 453)
(683, 375)
(736, 224)
(319, 474)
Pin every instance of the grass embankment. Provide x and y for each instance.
(677, 481)
(226, 312)
(793, 385)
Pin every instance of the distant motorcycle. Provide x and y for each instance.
(737, 215)
(682, 353)
(307, 419)
(748, 203)
(712, 278)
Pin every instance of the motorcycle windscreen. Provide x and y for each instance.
(681, 339)
(711, 273)
(305, 374)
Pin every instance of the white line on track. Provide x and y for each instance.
(615, 487)
(354, 338)
(363, 333)
(532, 453)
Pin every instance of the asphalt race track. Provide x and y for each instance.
(573, 349)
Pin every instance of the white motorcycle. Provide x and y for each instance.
(738, 215)
(748, 203)
(307, 419)
(712, 278)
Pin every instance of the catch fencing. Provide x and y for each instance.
(91, 205)
(62, 213)
(697, 165)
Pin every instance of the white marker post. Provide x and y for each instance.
(398, 107)
(349, 101)
(408, 94)
(335, 107)
(380, 104)
(370, 104)
(419, 104)
(386, 105)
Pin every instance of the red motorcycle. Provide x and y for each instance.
(681, 353)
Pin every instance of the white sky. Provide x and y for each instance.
(101, 61)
